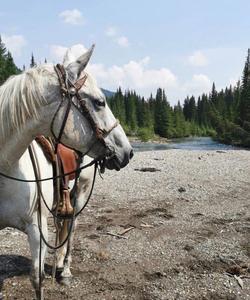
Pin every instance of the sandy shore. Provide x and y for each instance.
(188, 215)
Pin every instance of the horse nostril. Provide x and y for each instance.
(131, 154)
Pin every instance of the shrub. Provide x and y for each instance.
(145, 134)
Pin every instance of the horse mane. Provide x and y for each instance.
(20, 98)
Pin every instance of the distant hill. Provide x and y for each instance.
(107, 93)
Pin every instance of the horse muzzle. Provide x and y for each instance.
(114, 163)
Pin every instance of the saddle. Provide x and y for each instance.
(67, 161)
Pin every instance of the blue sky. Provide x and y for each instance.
(182, 46)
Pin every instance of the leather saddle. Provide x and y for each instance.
(67, 159)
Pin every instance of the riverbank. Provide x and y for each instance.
(183, 218)
(156, 139)
(188, 143)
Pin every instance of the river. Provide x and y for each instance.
(190, 143)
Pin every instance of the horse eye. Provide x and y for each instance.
(99, 103)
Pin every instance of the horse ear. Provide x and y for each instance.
(76, 67)
(68, 57)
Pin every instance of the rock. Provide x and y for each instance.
(181, 189)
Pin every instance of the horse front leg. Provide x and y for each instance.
(34, 243)
(64, 254)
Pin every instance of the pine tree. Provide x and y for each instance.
(2, 61)
(10, 67)
(179, 121)
(118, 107)
(131, 111)
(244, 107)
(213, 95)
(189, 109)
(32, 61)
(7, 65)
(229, 103)
(236, 102)
(162, 114)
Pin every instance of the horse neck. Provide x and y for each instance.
(26, 110)
(13, 147)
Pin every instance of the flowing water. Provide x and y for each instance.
(190, 143)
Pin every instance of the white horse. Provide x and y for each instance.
(29, 105)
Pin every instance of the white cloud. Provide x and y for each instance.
(14, 43)
(57, 51)
(199, 84)
(134, 75)
(198, 59)
(73, 17)
(78, 50)
(123, 41)
(111, 31)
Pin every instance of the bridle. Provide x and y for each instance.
(69, 92)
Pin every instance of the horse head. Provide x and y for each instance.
(90, 127)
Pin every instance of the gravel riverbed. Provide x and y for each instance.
(184, 221)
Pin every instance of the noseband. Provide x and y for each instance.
(69, 91)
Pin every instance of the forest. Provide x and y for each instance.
(223, 115)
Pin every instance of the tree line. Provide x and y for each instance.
(155, 116)
(223, 114)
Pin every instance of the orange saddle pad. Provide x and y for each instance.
(69, 160)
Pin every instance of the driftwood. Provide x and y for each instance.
(115, 235)
(126, 230)
(148, 169)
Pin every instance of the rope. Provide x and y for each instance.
(94, 161)
(72, 220)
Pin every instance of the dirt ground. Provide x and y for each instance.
(188, 220)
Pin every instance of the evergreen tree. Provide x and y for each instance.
(180, 128)
(7, 65)
(118, 107)
(189, 109)
(162, 114)
(2, 61)
(244, 108)
(213, 95)
(236, 102)
(131, 111)
(32, 61)
(10, 67)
